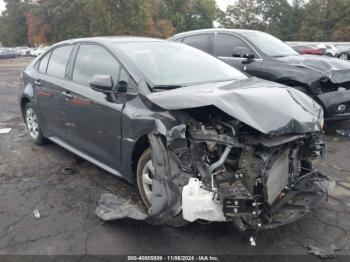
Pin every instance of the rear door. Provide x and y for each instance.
(49, 81)
(223, 45)
(93, 118)
(200, 41)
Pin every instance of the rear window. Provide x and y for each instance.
(43, 63)
(58, 61)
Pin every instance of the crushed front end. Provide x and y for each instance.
(220, 169)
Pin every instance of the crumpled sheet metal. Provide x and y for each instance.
(337, 70)
(166, 185)
(263, 105)
(114, 207)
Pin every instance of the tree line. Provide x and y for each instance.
(34, 22)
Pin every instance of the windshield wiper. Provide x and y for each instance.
(167, 87)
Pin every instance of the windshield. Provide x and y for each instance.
(269, 44)
(175, 64)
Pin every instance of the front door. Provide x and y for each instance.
(93, 119)
(223, 46)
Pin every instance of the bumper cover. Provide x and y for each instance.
(330, 102)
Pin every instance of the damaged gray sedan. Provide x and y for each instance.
(202, 140)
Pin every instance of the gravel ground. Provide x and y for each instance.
(30, 179)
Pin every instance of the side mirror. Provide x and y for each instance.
(243, 52)
(102, 83)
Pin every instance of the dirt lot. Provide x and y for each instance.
(30, 179)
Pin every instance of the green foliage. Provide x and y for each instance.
(50, 21)
(306, 20)
(13, 24)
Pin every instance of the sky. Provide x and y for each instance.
(2, 5)
(221, 3)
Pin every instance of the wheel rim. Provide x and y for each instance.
(147, 177)
(343, 56)
(32, 123)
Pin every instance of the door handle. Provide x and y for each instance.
(67, 95)
(38, 82)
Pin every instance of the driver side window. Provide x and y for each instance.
(94, 60)
(225, 43)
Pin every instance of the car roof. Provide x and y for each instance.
(213, 30)
(112, 39)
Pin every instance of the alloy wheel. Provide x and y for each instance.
(147, 176)
(32, 123)
(344, 57)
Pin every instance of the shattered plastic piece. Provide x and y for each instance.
(36, 213)
(5, 130)
(198, 203)
(114, 207)
(327, 252)
(345, 133)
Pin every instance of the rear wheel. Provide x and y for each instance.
(33, 124)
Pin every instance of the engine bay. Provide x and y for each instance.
(237, 174)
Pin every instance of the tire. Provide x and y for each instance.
(145, 167)
(33, 124)
(144, 183)
(343, 56)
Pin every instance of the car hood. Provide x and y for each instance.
(266, 106)
(338, 71)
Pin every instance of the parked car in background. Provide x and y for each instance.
(328, 49)
(343, 53)
(25, 51)
(307, 50)
(325, 79)
(32, 51)
(212, 142)
(7, 53)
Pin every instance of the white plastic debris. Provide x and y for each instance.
(5, 130)
(198, 203)
(36, 213)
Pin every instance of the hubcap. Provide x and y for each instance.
(344, 57)
(147, 176)
(32, 123)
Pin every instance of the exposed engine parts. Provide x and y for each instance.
(237, 174)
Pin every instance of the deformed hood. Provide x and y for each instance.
(337, 70)
(266, 106)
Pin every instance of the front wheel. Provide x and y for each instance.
(33, 125)
(145, 174)
(344, 56)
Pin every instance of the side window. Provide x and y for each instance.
(199, 41)
(94, 60)
(43, 63)
(224, 44)
(58, 61)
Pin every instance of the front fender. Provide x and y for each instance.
(285, 74)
